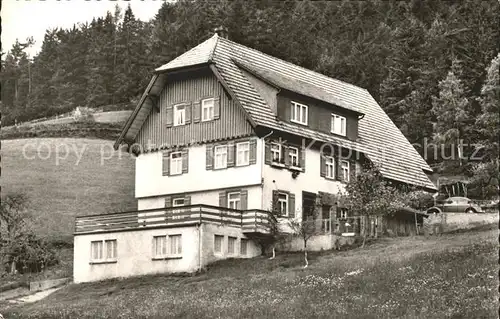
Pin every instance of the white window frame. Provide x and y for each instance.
(178, 249)
(175, 163)
(103, 255)
(231, 241)
(292, 156)
(175, 204)
(162, 239)
(283, 202)
(220, 252)
(330, 167)
(343, 213)
(278, 151)
(242, 153)
(179, 114)
(299, 113)
(210, 109)
(220, 156)
(346, 169)
(234, 201)
(338, 124)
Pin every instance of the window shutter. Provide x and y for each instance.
(170, 115)
(166, 163)
(244, 199)
(274, 204)
(286, 155)
(216, 107)
(230, 154)
(322, 165)
(209, 162)
(338, 212)
(352, 170)
(168, 201)
(196, 111)
(222, 199)
(291, 205)
(188, 107)
(302, 155)
(185, 160)
(187, 200)
(338, 167)
(267, 151)
(253, 151)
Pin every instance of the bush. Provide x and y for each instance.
(28, 253)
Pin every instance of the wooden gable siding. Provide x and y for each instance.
(319, 114)
(231, 123)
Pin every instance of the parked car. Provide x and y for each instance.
(455, 205)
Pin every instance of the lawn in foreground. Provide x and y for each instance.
(456, 279)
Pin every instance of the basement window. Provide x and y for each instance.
(103, 251)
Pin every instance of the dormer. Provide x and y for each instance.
(317, 115)
(303, 104)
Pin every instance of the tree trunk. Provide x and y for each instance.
(274, 253)
(13, 267)
(305, 254)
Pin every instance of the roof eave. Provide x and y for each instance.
(132, 116)
(184, 68)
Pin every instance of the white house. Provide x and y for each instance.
(222, 131)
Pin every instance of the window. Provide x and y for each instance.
(167, 246)
(103, 250)
(293, 153)
(233, 200)
(176, 202)
(218, 239)
(221, 156)
(96, 250)
(175, 245)
(345, 170)
(276, 152)
(243, 247)
(342, 213)
(207, 109)
(160, 246)
(175, 163)
(179, 114)
(231, 245)
(299, 113)
(330, 167)
(338, 125)
(242, 153)
(283, 203)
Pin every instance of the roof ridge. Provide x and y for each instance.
(296, 65)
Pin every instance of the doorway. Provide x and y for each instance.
(308, 205)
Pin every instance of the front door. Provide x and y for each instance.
(308, 205)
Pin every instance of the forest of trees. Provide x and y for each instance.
(432, 65)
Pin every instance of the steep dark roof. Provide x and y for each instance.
(379, 138)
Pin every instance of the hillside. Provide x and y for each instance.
(61, 186)
(451, 276)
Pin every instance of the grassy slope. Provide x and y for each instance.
(451, 276)
(60, 191)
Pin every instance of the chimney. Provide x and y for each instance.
(221, 32)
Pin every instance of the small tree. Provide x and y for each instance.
(20, 248)
(369, 194)
(305, 229)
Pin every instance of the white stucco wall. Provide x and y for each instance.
(151, 182)
(208, 254)
(309, 181)
(205, 197)
(135, 254)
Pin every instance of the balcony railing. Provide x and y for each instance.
(250, 221)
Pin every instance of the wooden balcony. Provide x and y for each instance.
(250, 221)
